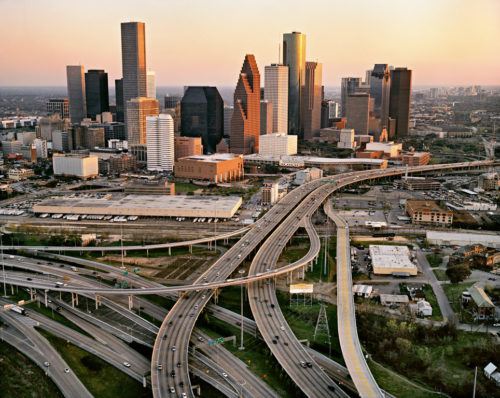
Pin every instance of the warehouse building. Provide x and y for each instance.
(428, 212)
(392, 260)
(143, 206)
(219, 167)
(75, 165)
(463, 238)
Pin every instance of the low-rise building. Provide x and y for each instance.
(428, 212)
(392, 260)
(393, 299)
(424, 308)
(482, 306)
(83, 167)
(412, 159)
(122, 163)
(346, 140)
(417, 184)
(20, 174)
(160, 187)
(187, 146)
(219, 167)
(306, 175)
(489, 182)
(362, 290)
(269, 193)
(391, 149)
(279, 144)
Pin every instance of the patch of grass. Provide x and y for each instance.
(431, 298)
(100, 378)
(441, 274)
(454, 293)
(185, 187)
(23, 378)
(435, 260)
(360, 243)
(396, 384)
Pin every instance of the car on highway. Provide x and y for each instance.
(282, 327)
(172, 390)
(224, 374)
(303, 364)
(173, 348)
(496, 324)
(172, 373)
(159, 366)
(46, 363)
(126, 364)
(309, 364)
(66, 370)
(201, 338)
(178, 364)
(285, 342)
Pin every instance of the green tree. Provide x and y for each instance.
(458, 273)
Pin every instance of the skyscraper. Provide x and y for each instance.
(266, 117)
(202, 115)
(96, 92)
(76, 93)
(311, 100)
(120, 105)
(276, 92)
(58, 106)
(245, 122)
(137, 111)
(160, 142)
(133, 61)
(228, 115)
(380, 85)
(348, 87)
(151, 84)
(358, 112)
(399, 108)
(294, 56)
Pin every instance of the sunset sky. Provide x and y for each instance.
(195, 42)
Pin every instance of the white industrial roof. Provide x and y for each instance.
(464, 238)
(216, 157)
(394, 298)
(362, 289)
(312, 159)
(422, 304)
(490, 368)
(388, 256)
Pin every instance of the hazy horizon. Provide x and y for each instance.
(445, 43)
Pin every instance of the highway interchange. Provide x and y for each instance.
(294, 210)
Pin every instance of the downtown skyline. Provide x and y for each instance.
(444, 42)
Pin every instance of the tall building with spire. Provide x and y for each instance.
(133, 37)
(76, 93)
(276, 92)
(311, 100)
(245, 121)
(294, 56)
(399, 107)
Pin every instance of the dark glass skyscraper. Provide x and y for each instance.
(96, 92)
(202, 115)
(120, 106)
(380, 83)
(76, 93)
(399, 107)
(311, 100)
(294, 56)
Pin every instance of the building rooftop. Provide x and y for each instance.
(426, 204)
(312, 159)
(480, 297)
(215, 158)
(388, 256)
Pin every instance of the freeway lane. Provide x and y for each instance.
(346, 317)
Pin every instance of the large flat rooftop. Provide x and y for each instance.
(387, 259)
(144, 205)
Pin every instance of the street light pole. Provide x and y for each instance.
(3, 267)
(241, 272)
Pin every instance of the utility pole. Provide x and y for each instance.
(3, 267)
(475, 378)
(241, 272)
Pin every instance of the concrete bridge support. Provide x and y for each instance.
(130, 302)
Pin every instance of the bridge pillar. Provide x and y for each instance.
(147, 252)
(125, 253)
(130, 302)
(190, 249)
(45, 298)
(60, 296)
(169, 251)
(102, 252)
(303, 272)
(72, 299)
(12, 289)
(32, 296)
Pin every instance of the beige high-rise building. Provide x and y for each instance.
(358, 112)
(276, 92)
(311, 100)
(151, 84)
(137, 111)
